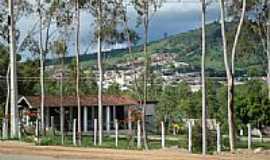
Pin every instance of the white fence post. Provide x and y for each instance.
(162, 135)
(189, 136)
(218, 138)
(139, 134)
(36, 128)
(249, 136)
(95, 132)
(74, 131)
(116, 132)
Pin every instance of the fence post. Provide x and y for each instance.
(74, 132)
(162, 135)
(189, 136)
(95, 132)
(36, 128)
(249, 136)
(138, 134)
(218, 138)
(116, 132)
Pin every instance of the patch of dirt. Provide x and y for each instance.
(15, 148)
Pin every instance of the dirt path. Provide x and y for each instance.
(20, 150)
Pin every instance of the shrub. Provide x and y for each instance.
(45, 141)
(197, 139)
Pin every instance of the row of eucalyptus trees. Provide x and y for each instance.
(109, 15)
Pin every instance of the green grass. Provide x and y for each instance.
(109, 142)
(179, 141)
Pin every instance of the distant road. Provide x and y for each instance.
(15, 151)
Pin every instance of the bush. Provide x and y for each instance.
(197, 139)
(45, 141)
(29, 139)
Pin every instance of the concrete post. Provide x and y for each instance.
(36, 128)
(74, 131)
(129, 121)
(218, 138)
(85, 119)
(108, 119)
(139, 134)
(116, 132)
(249, 136)
(189, 136)
(95, 132)
(162, 135)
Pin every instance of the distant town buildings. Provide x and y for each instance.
(165, 66)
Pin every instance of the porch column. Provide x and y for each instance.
(85, 120)
(27, 120)
(108, 119)
(92, 115)
(92, 112)
(47, 118)
(129, 120)
(71, 114)
(114, 112)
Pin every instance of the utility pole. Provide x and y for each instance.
(13, 73)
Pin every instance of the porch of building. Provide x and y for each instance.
(114, 107)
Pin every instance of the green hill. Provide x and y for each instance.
(187, 46)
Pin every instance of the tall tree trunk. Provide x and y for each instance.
(78, 72)
(41, 61)
(99, 39)
(146, 63)
(204, 104)
(231, 112)
(230, 72)
(268, 53)
(13, 73)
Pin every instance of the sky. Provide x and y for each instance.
(171, 18)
